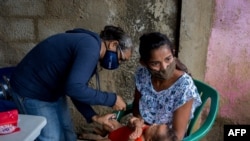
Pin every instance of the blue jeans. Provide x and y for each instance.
(59, 125)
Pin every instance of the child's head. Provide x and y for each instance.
(159, 132)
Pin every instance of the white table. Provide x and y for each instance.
(30, 126)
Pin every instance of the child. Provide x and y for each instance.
(136, 130)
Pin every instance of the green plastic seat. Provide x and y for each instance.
(206, 92)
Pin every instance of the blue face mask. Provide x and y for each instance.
(110, 60)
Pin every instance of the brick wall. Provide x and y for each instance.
(23, 23)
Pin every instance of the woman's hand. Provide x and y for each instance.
(136, 133)
(136, 124)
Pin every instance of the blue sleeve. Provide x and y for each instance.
(87, 53)
(85, 109)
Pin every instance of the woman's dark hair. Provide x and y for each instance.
(181, 66)
(154, 40)
(151, 41)
(111, 32)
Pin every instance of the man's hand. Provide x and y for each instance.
(119, 104)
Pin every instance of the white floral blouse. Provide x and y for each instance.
(158, 107)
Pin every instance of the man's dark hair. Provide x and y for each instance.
(111, 32)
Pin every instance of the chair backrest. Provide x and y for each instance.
(207, 92)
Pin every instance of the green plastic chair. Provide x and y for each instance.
(206, 92)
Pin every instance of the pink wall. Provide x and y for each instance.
(228, 58)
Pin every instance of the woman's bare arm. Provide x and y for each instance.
(181, 119)
(137, 97)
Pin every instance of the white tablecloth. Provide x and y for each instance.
(30, 126)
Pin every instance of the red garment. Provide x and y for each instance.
(122, 134)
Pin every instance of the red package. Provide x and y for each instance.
(8, 122)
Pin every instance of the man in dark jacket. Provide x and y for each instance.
(61, 66)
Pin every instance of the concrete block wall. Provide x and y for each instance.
(23, 23)
(18, 28)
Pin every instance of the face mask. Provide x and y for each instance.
(110, 60)
(164, 74)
